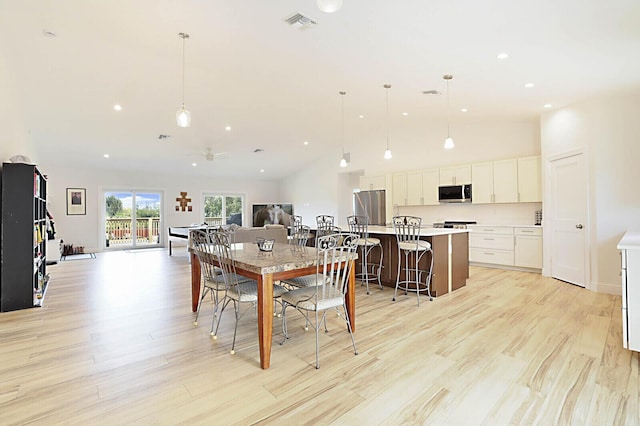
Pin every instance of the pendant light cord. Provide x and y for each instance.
(342, 100)
(387, 89)
(183, 71)
(448, 111)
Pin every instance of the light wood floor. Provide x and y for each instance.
(115, 344)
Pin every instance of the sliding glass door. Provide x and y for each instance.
(132, 219)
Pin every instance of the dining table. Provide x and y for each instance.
(284, 261)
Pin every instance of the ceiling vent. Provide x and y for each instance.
(300, 21)
(431, 92)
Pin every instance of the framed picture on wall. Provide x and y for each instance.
(76, 201)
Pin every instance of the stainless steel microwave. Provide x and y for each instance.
(454, 194)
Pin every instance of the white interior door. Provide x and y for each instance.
(568, 211)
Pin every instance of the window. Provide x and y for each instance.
(223, 209)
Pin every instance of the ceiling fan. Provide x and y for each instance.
(209, 155)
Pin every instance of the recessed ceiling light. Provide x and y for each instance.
(194, 164)
(361, 116)
(464, 110)
(306, 142)
(261, 170)
(529, 85)
(548, 105)
(106, 156)
(228, 128)
(117, 107)
(503, 55)
(405, 113)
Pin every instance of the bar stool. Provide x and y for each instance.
(407, 230)
(368, 272)
(325, 226)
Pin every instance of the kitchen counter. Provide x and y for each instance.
(450, 257)
(428, 231)
(630, 241)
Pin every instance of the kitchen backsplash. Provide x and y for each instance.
(484, 214)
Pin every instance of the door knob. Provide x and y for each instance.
(579, 226)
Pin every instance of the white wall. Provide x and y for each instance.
(88, 231)
(608, 129)
(14, 137)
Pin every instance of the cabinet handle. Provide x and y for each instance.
(489, 239)
(526, 230)
(490, 254)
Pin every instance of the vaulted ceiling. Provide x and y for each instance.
(69, 62)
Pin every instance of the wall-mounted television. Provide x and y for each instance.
(274, 213)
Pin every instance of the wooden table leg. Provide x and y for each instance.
(265, 318)
(350, 297)
(195, 282)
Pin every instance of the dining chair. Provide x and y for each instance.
(368, 271)
(413, 249)
(324, 226)
(212, 278)
(298, 233)
(236, 291)
(334, 266)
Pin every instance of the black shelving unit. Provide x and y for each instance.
(23, 276)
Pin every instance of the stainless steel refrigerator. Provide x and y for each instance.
(370, 204)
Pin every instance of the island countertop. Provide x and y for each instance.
(427, 231)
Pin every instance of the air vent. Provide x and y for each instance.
(164, 137)
(258, 150)
(300, 21)
(431, 92)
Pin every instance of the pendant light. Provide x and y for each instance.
(448, 142)
(329, 6)
(387, 152)
(183, 116)
(343, 160)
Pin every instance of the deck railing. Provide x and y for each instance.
(118, 231)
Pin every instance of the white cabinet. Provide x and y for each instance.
(406, 188)
(414, 188)
(399, 189)
(505, 181)
(529, 183)
(495, 182)
(491, 244)
(482, 186)
(528, 247)
(630, 246)
(430, 182)
(519, 246)
(369, 183)
(455, 175)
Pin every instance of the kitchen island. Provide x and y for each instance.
(450, 257)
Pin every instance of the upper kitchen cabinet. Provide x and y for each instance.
(505, 181)
(414, 188)
(399, 189)
(455, 175)
(495, 182)
(529, 184)
(370, 183)
(430, 181)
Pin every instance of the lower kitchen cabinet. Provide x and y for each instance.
(630, 273)
(513, 246)
(528, 247)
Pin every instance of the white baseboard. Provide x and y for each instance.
(507, 267)
(614, 289)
